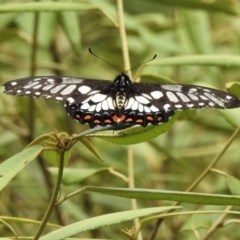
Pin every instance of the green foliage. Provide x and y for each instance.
(196, 42)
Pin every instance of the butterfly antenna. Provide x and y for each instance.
(142, 63)
(103, 59)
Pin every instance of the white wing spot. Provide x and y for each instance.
(142, 99)
(93, 92)
(157, 94)
(129, 103)
(28, 92)
(190, 105)
(172, 97)
(211, 97)
(147, 109)
(183, 97)
(99, 97)
(37, 93)
(19, 91)
(72, 80)
(140, 108)
(110, 103)
(99, 107)
(92, 108)
(146, 96)
(59, 98)
(57, 88)
(135, 105)
(229, 97)
(70, 100)
(13, 83)
(84, 89)
(173, 87)
(193, 97)
(178, 106)
(47, 87)
(31, 85)
(206, 90)
(154, 109)
(166, 107)
(192, 90)
(85, 106)
(203, 97)
(50, 80)
(211, 104)
(201, 104)
(105, 105)
(37, 86)
(68, 89)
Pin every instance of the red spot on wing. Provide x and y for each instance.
(78, 116)
(129, 120)
(115, 118)
(107, 121)
(87, 117)
(139, 121)
(150, 118)
(96, 121)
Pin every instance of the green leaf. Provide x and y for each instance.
(197, 24)
(43, 6)
(12, 166)
(202, 60)
(46, 33)
(6, 19)
(197, 221)
(70, 24)
(72, 175)
(234, 185)
(233, 88)
(187, 115)
(152, 194)
(91, 148)
(231, 116)
(101, 221)
(225, 6)
(136, 134)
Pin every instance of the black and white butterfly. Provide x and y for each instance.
(120, 102)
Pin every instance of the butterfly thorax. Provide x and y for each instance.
(122, 87)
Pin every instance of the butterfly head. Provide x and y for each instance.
(122, 81)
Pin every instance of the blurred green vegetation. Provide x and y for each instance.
(171, 161)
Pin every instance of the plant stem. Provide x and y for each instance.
(127, 66)
(53, 199)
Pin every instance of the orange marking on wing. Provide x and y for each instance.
(78, 116)
(159, 118)
(107, 121)
(149, 118)
(118, 119)
(129, 120)
(139, 121)
(96, 121)
(87, 117)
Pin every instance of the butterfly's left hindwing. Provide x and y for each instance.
(120, 102)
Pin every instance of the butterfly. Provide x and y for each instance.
(120, 102)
